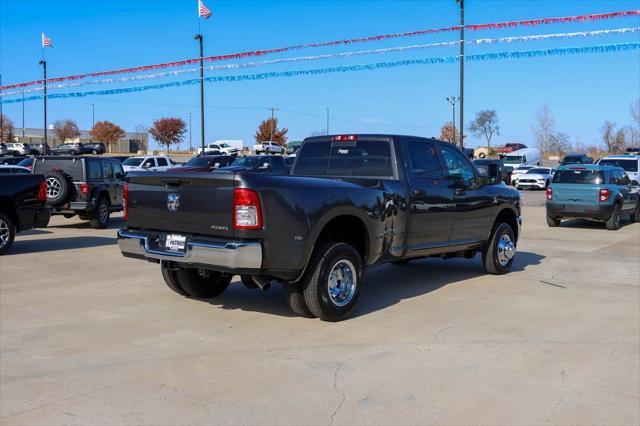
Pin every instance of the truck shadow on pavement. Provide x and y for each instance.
(114, 223)
(56, 244)
(386, 285)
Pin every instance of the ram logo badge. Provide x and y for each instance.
(173, 202)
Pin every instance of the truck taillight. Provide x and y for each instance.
(246, 209)
(604, 195)
(84, 189)
(549, 194)
(125, 201)
(345, 138)
(42, 191)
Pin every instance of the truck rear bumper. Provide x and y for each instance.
(228, 255)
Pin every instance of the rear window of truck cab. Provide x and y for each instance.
(365, 158)
(579, 176)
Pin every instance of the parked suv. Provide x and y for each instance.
(576, 159)
(223, 148)
(40, 148)
(19, 149)
(90, 187)
(71, 148)
(95, 148)
(592, 191)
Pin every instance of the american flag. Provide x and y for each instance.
(46, 41)
(203, 10)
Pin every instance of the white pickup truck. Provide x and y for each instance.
(267, 147)
(222, 147)
(154, 163)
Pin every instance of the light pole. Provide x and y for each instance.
(200, 38)
(93, 115)
(190, 146)
(273, 124)
(327, 121)
(461, 2)
(44, 98)
(452, 100)
(1, 116)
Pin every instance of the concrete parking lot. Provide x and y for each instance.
(88, 337)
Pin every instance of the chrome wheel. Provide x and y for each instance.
(506, 250)
(53, 187)
(342, 283)
(4, 233)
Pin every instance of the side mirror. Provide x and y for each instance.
(119, 175)
(494, 174)
(146, 165)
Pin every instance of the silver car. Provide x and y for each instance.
(19, 148)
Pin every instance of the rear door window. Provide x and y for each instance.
(162, 162)
(107, 171)
(424, 160)
(579, 176)
(94, 169)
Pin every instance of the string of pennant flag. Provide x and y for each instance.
(205, 13)
(160, 75)
(352, 68)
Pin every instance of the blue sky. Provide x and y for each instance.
(581, 91)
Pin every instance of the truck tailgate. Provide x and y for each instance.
(575, 194)
(190, 203)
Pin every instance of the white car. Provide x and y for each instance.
(223, 147)
(5, 169)
(268, 147)
(155, 163)
(519, 171)
(630, 164)
(537, 177)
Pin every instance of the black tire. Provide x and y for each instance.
(495, 258)
(7, 233)
(294, 298)
(635, 216)
(207, 285)
(58, 189)
(552, 221)
(169, 274)
(615, 220)
(99, 217)
(482, 155)
(248, 281)
(316, 281)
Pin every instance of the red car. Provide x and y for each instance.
(510, 147)
(205, 163)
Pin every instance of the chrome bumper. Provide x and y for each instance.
(230, 255)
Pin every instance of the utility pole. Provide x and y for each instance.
(44, 98)
(1, 116)
(327, 121)
(273, 123)
(200, 38)
(452, 100)
(93, 115)
(23, 114)
(461, 73)
(190, 146)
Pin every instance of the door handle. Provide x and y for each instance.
(418, 192)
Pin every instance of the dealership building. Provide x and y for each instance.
(131, 142)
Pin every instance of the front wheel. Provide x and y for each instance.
(333, 281)
(635, 216)
(615, 220)
(202, 284)
(500, 251)
(7, 233)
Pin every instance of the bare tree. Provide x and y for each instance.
(6, 129)
(142, 132)
(450, 134)
(65, 129)
(544, 128)
(485, 125)
(559, 143)
(609, 136)
(635, 111)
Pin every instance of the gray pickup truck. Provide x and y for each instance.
(350, 202)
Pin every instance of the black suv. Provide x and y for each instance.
(95, 148)
(89, 187)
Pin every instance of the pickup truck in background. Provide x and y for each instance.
(23, 200)
(510, 147)
(351, 202)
